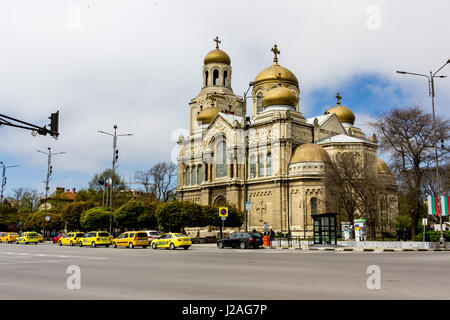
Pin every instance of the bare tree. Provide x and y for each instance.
(145, 179)
(407, 134)
(164, 179)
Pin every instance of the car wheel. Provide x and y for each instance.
(186, 247)
(80, 244)
(107, 245)
(93, 245)
(71, 243)
(131, 245)
(60, 243)
(172, 246)
(154, 246)
(114, 245)
(242, 245)
(220, 245)
(144, 247)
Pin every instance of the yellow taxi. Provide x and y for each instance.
(95, 238)
(8, 237)
(40, 237)
(172, 241)
(70, 239)
(131, 239)
(28, 237)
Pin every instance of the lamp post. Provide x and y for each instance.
(431, 94)
(246, 127)
(114, 160)
(4, 178)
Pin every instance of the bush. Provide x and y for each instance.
(403, 222)
(72, 214)
(36, 221)
(431, 236)
(96, 218)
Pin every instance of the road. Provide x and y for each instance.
(205, 272)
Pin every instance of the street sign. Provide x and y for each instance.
(223, 218)
(223, 212)
(266, 226)
(424, 221)
(47, 218)
(247, 205)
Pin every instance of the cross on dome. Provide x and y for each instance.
(217, 41)
(338, 97)
(276, 52)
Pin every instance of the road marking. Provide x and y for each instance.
(52, 255)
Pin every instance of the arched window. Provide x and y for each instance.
(253, 167)
(221, 159)
(200, 174)
(206, 78)
(259, 97)
(313, 202)
(215, 77)
(269, 164)
(261, 165)
(225, 78)
(188, 176)
(194, 175)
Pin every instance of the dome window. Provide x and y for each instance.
(225, 78)
(259, 106)
(215, 77)
(206, 78)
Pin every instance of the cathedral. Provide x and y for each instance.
(272, 164)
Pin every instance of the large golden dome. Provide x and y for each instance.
(217, 56)
(270, 75)
(383, 167)
(310, 152)
(343, 113)
(207, 115)
(279, 96)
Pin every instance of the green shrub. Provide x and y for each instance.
(431, 236)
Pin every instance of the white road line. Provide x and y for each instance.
(43, 261)
(52, 255)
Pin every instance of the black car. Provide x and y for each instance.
(241, 240)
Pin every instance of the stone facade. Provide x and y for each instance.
(276, 159)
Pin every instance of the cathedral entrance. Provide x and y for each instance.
(325, 229)
(220, 201)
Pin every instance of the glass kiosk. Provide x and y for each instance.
(324, 228)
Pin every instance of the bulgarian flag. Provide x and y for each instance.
(433, 205)
(444, 205)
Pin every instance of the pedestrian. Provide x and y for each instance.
(198, 233)
(405, 234)
(399, 234)
(271, 235)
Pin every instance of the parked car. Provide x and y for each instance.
(152, 234)
(172, 241)
(56, 238)
(95, 238)
(131, 239)
(28, 237)
(40, 237)
(70, 238)
(8, 237)
(241, 240)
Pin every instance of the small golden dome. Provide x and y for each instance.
(279, 96)
(207, 115)
(383, 167)
(270, 75)
(310, 152)
(217, 56)
(343, 113)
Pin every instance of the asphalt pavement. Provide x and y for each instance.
(206, 272)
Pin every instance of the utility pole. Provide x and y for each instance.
(49, 173)
(4, 178)
(114, 160)
(431, 94)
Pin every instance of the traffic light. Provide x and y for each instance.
(117, 154)
(54, 120)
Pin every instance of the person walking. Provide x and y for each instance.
(405, 234)
(271, 235)
(399, 234)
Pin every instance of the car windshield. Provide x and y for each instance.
(103, 234)
(255, 235)
(154, 233)
(141, 234)
(179, 235)
(80, 234)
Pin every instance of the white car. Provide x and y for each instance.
(152, 234)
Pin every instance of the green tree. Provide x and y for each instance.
(36, 221)
(118, 183)
(126, 216)
(147, 220)
(96, 218)
(8, 215)
(89, 195)
(173, 216)
(211, 215)
(72, 214)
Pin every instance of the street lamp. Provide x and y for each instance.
(246, 127)
(114, 160)
(431, 94)
(4, 178)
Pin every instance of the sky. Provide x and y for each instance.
(138, 63)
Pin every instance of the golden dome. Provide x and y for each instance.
(207, 115)
(217, 56)
(383, 167)
(270, 75)
(279, 96)
(310, 152)
(343, 113)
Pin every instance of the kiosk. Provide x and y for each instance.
(360, 229)
(346, 231)
(325, 228)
